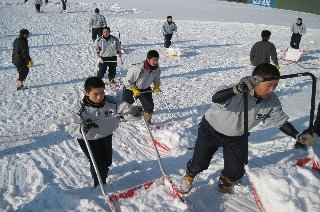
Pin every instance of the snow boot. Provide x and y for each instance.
(147, 117)
(186, 184)
(19, 85)
(226, 184)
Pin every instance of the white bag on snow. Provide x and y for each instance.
(292, 55)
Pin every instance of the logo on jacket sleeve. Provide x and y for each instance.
(261, 116)
(108, 113)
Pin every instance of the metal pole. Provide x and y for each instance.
(313, 93)
(312, 109)
(155, 147)
(245, 127)
(93, 160)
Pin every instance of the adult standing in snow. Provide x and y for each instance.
(223, 126)
(37, 4)
(297, 29)
(21, 57)
(137, 84)
(108, 48)
(96, 23)
(262, 51)
(64, 5)
(168, 28)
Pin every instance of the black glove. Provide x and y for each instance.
(247, 84)
(87, 125)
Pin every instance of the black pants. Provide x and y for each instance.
(145, 98)
(167, 40)
(102, 153)
(64, 6)
(295, 40)
(37, 7)
(23, 71)
(110, 66)
(208, 142)
(96, 32)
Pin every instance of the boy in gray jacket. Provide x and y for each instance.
(137, 84)
(262, 51)
(223, 126)
(96, 23)
(168, 28)
(107, 49)
(297, 29)
(96, 113)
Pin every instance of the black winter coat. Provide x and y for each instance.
(20, 55)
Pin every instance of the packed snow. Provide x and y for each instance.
(44, 169)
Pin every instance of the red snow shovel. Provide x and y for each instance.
(165, 180)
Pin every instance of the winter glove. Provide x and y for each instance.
(30, 64)
(278, 67)
(136, 111)
(307, 139)
(135, 91)
(99, 60)
(156, 88)
(247, 84)
(251, 62)
(87, 125)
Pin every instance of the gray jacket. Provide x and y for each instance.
(227, 118)
(107, 47)
(103, 117)
(37, 1)
(298, 29)
(262, 51)
(97, 21)
(169, 28)
(140, 77)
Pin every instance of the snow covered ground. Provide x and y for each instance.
(42, 167)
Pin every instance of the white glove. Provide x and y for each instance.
(307, 139)
(99, 60)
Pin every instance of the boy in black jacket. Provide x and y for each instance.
(21, 58)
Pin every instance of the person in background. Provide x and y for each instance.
(262, 51)
(37, 4)
(297, 29)
(107, 49)
(64, 6)
(168, 28)
(21, 57)
(96, 23)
